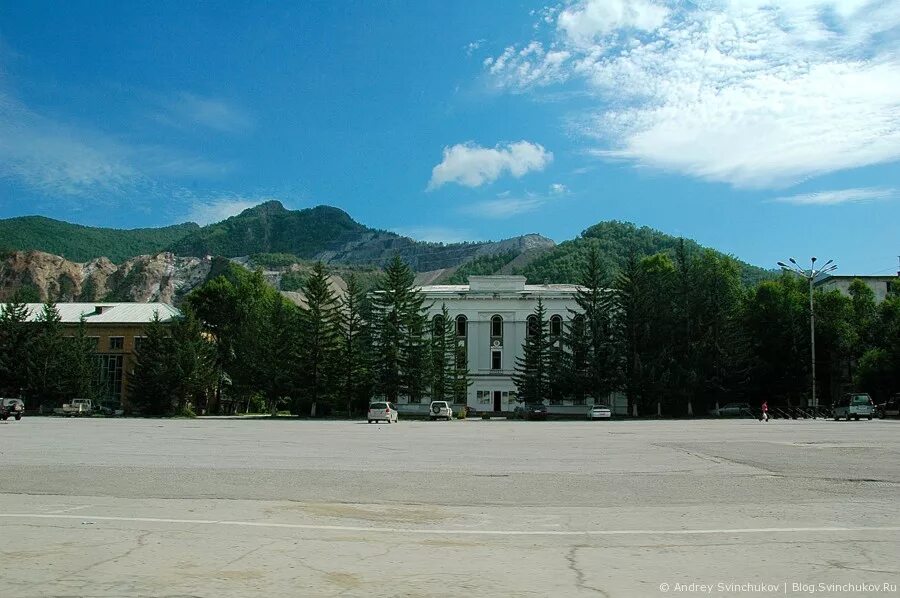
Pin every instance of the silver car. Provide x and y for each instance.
(599, 412)
(382, 412)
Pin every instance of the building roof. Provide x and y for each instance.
(525, 289)
(106, 312)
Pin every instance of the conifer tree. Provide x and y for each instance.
(318, 345)
(355, 358)
(532, 375)
(400, 343)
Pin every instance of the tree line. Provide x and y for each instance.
(242, 345)
(676, 332)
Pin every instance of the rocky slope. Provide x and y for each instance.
(40, 276)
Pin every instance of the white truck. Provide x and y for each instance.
(75, 408)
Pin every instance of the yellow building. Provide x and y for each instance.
(117, 329)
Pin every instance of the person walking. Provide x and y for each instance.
(765, 411)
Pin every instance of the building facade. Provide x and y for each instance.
(882, 286)
(117, 329)
(491, 316)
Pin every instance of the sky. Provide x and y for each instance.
(765, 129)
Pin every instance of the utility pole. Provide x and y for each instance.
(810, 275)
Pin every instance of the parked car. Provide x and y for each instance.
(890, 408)
(75, 408)
(440, 410)
(384, 412)
(732, 410)
(855, 405)
(536, 411)
(11, 408)
(599, 412)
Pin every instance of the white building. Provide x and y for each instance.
(491, 315)
(882, 286)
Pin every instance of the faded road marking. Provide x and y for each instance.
(462, 532)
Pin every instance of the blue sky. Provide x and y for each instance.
(763, 129)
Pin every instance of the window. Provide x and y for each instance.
(555, 326)
(531, 326)
(461, 326)
(95, 341)
(483, 397)
(138, 342)
(109, 376)
(461, 357)
(437, 323)
(495, 360)
(496, 327)
(116, 343)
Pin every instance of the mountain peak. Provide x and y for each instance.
(273, 206)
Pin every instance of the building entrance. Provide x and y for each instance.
(497, 403)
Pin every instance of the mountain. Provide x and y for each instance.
(83, 243)
(615, 241)
(331, 235)
(53, 259)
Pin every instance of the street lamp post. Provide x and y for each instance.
(810, 275)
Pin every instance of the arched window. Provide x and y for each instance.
(555, 325)
(496, 327)
(461, 326)
(531, 325)
(437, 325)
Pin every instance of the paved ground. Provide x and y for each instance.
(292, 508)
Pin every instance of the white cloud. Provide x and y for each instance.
(755, 93)
(216, 210)
(472, 165)
(839, 196)
(504, 207)
(472, 46)
(435, 234)
(188, 109)
(58, 160)
(507, 205)
(586, 21)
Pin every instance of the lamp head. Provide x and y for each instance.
(814, 259)
(792, 260)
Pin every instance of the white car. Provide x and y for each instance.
(382, 412)
(440, 410)
(600, 412)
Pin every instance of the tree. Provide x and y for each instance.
(532, 373)
(775, 323)
(644, 307)
(443, 355)
(318, 340)
(46, 364)
(16, 342)
(878, 371)
(353, 341)
(399, 341)
(175, 367)
(593, 358)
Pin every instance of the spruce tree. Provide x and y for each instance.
(593, 357)
(532, 375)
(318, 345)
(400, 342)
(355, 358)
(16, 342)
(151, 388)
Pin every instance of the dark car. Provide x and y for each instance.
(890, 408)
(11, 408)
(537, 411)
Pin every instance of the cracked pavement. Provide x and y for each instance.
(223, 507)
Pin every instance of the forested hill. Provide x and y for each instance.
(615, 241)
(82, 243)
(329, 234)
